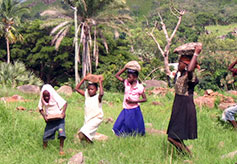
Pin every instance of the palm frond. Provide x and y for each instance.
(59, 26)
(60, 38)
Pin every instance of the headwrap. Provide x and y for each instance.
(55, 98)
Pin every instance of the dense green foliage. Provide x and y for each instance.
(13, 75)
(57, 67)
(21, 135)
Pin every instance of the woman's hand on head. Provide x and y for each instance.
(198, 49)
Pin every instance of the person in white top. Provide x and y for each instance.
(52, 104)
(93, 109)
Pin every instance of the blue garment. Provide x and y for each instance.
(52, 127)
(129, 122)
(229, 113)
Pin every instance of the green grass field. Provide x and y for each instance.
(221, 30)
(21, 135)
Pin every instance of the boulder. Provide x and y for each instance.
(77, 159)
(32, 89)
(155, 83)
(205, 101)
(14, 98)
(67, 90)
(100, 137)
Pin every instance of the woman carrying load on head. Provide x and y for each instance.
(183, 121)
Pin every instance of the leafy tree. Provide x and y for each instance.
(89, 15)
(10, 10)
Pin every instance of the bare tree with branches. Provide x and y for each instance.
(165, 51)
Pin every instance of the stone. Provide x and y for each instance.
(232, 92)
(100, 137)
(159, 91)
(148, 124)
(156, 103)
(20, 108)
(155, 131)
(134, 65)
(187, 49)
(108, 120)
(32, 89)
(67, 90)
(229, 155)
(224, 105)
(155, 83)
(205, 101)
(14, 98)
(209, 91)
(77, 159)
(94, 78)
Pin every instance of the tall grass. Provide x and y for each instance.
(21, 135)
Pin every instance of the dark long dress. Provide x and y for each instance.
(183, 121)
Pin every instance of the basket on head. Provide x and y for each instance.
(187, 49)
(134, 65)
(94, 78)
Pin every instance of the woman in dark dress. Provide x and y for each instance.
(183, 121)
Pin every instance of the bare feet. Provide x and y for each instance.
(45, 144)
(61, 153)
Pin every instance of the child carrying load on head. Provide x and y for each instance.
(52, 107)
(93, 106)
(130, 120)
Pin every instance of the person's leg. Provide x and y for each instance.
(61, 134)
(61, 145)
(179, 144)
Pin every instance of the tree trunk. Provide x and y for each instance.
(166, 63)
(8, 51)
(77, 78)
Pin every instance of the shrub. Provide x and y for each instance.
(13, 75)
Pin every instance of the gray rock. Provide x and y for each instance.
(77, 159)
(67, 90)
(33, 89)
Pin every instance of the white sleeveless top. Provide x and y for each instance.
(93, 107)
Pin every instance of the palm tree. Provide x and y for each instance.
(88, 17)
(10, 10)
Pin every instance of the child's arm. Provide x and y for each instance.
(101, 94)
(82, 92)
(43, 114)
(117, 75)
(231, 67)
(144, 99)
(64, 110)
(193, 62)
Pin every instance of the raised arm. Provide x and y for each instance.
(117, 75)
(231, 67)
(80, 91)
(101, 94)
(193, 62)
